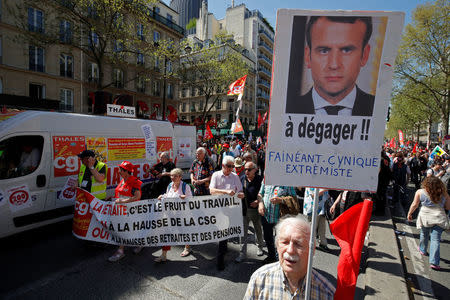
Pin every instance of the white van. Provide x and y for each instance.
(38, 153)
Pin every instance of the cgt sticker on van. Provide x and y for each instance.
(19, 198)
(65, 151)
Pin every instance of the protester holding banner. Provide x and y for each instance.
(161, 171)
(177, 188)
(128, 190)
(201, 172)
(286, 279)
(432, 219)
(92, 174)
(269, 198)
(225, 182)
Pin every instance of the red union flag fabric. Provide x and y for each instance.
(265, 117)
(400, 137)
(392, 143)
(238, 127)
(260, 120)
(237, 87)
(208, 133)
(349, 230)
(414, 149)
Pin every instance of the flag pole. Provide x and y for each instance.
(312, 242)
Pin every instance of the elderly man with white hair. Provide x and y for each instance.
(228, 183)
(286, 279)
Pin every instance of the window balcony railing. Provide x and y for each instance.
(263, 32)
(265, 58)
(265, 71)
(264, 83)
(265, 46)
(165, 21)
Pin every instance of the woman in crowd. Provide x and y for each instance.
(128, 190)
(177, 188)
(432, 219)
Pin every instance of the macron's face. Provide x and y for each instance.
(336, 57)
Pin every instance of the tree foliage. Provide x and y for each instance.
(104, 30)
(212, 69)
(422, 67)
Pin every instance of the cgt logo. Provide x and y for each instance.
(19, 197)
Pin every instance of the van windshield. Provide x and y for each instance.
(20, 155)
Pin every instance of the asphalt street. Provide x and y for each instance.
(423, 282)
(49, 263)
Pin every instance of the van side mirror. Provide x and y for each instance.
(40, 180)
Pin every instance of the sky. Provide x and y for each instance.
(268, 8)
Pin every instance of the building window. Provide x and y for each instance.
(65, 32)
(183, 106)
(156, 88)
(36, 57)
(140, 32)
(93, 39)
(93, 72)
(192, 106)
(219, 104)
(201, 105)
(140, 59)
(37, 91)
(118, 47)
(66, 65)
(169, 68)
(140, 84)
(169, 17)
(156, 36)
(169, 91)
(192, 91)
(218, 118)
(118, 78)
(156, 9)
(156, 64)
(192, 119)
(35, 20)
(66, 99)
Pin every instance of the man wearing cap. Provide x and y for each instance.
(239, 167)
(92, 175)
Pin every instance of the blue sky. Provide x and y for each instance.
(269, 7)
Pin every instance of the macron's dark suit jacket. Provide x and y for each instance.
(304, 104)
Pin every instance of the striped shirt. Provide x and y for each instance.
(269, 282)
(272, 211)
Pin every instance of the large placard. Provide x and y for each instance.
(194, 220)
(332, 79)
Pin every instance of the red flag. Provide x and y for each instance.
(260, 120)
(400, 137)
(349, 230)
(208, 133)
(237, 87)
(173, 116)
(414, 149)
(265, 117)
(238, 127)
(392, 143)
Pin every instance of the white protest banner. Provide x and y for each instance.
(332, 80)
(19, 198)
(69, 191)
(150, 142)
(195, 220)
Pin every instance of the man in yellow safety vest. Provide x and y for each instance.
(92, 175)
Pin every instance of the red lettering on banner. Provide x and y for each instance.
(116, 176)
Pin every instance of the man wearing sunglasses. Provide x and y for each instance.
(228, 183)
(251, 183)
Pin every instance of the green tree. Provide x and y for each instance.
(423, 59)
(104, 30)
(212, 69)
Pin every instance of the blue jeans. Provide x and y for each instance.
(436, 233)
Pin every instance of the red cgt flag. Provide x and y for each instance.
(392, 143)
(414, 149)
(237, 87)
(349, 230)
(208, 133)
(260, 120)
(265, 117)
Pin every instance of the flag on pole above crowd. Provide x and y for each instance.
(237, 128)
(400, 138)
(237, 87)
(414, 150)
(208, 133)
(392, 143)
(260, 120)
(437, 151)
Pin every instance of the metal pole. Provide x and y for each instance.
(164, 90)
(312, 242)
